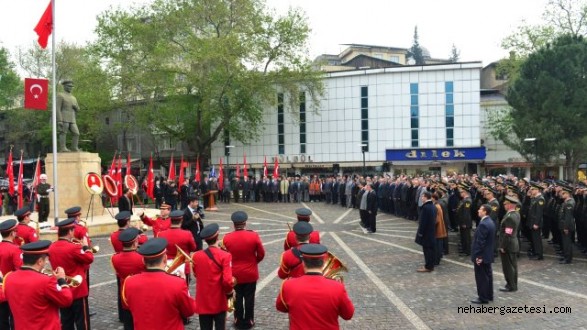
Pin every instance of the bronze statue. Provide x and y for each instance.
(67, 109)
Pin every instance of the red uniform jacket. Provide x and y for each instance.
(291, 264)
(158, 224)
(10, 257)
(25, 234)
(247, 251)
(117, 244)
(183, 238)
(79, 232)
(125, 264)
(157, 300)
(35, 299)
(314, 302)
(74, 260)
(290, 239)
(213, 283)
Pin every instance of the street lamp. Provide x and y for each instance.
(534, 141)
(227, 153)
(363, 147)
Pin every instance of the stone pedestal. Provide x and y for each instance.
(72, 168)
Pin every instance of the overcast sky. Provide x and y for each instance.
(475, 27)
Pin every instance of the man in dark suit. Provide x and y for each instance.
(371, 208)
(482, 255)
(126, 203)
(192, 219)
(426, 234)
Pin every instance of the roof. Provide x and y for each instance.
(373, 46)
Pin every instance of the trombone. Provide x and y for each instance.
(72, 281)
(181, 257)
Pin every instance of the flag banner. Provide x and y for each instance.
(198, 169)
(128, 165)
(265, 167)
(45, 26)
(171, 176)
(245, 170)
(220, 176)
(151, 180)
(20, 187)
(37, 178)
(276, 168)
(10, 174)
(238, 170)
(181, 174)
(212, 172)
(36, 93)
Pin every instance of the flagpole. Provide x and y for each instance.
(54, 117)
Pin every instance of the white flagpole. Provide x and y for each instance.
(54, 116)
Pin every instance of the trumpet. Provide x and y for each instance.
(72, 281)
(95, 248)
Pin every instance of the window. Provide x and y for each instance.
(365, 117)
(280, 125)
(302, 122)
(414, 113)
(395, 59)
(449, 113)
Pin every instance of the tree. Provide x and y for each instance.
(208, 67)
(455, 54)
(10, 85)
(548, 102)
(415, 52)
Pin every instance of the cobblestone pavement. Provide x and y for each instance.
(382, 280)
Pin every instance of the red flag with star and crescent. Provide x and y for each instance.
(10, 174)
(44, 27)
(36, 93)
(20, 184)
(198, 169)
(276, 168)
(245, 170)
(151, 180)
(265, 167)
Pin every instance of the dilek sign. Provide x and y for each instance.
(462, 154)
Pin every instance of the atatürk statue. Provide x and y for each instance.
(67, 109)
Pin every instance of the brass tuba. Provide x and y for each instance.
(333, 267)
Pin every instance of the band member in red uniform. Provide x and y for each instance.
(123, 220)
(81, 231)
(75, 259)
(34, 297)
(24, 233)
(313, 301)
(182, 238)
(161, 222)
(214, 281)
(291, 260)
(303, 214)
(157, 300)
(126, 263)
(10, 261)
(247, 252)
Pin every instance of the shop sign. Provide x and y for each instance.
(435, 154)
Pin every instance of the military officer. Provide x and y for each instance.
(214, 281)
(247, 252)
(43, 190)
(303, 214)
(126, 263)
(75, 259)
(24, 233)
(180, 237)
(10, 261)
(464, 219)
(157, 300)
(567, 224)
(123, 221)
(535, 221)
(35, 298)
(508, 244)
(161, 222)
(313, 301)
(291, 260)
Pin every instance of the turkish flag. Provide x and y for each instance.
(35, 93)
(45, 26)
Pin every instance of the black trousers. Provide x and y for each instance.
(127, 320)
(429, 257)
(76, 316)
(465, 240)
(484, 281)
(364, 215)
(244, 305)
(537, 242)
(120, 318)
(567, 245)
(43, 209)
(6, 321)
(371, 221)
(213, 321)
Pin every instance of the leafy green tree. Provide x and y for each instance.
(206, 68)
(548, 102)
(455, 54)
(415, 52)
(10, 85)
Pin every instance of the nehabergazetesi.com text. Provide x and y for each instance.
(503, 310)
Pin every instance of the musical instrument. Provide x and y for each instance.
(110, 186)
(232, 299)
(180, 258)
(131, 183)
(72, 281)
(37, 227)
(95, 248)
(333, 267)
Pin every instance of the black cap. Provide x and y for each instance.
(8, 225)
(128, 235)
(302, 228)
(464, 186)
(512, 199)
(313, 251)
(239, 217)
(567, 188)
(38, 247)
(176, 214)
(69, 222)
(22, 212)
(153, 248)
(210, 231)
(536, 185)
(124, 215)
(73, 211)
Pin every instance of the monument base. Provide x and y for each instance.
(72, 168)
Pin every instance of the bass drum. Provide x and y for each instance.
(110, 186)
